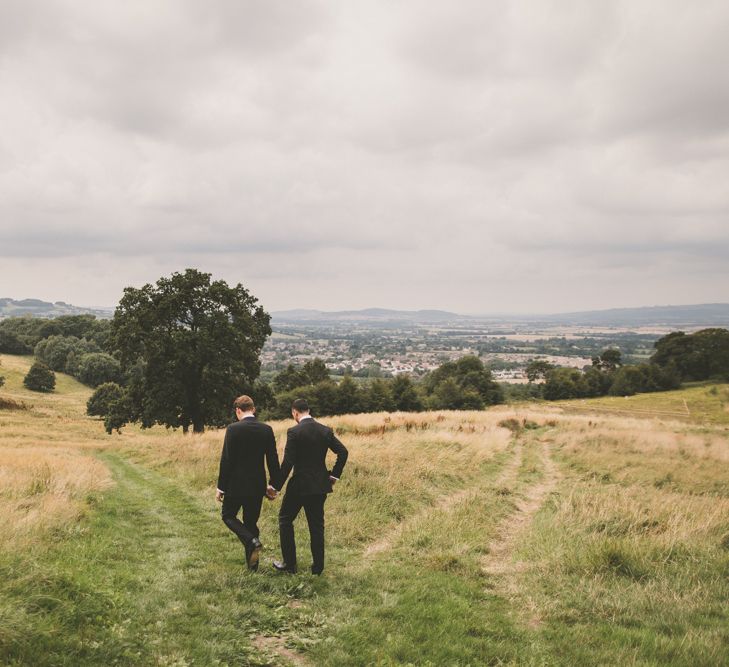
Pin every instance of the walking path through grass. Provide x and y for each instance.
(152, 581)
(499, 563)
(487, 552)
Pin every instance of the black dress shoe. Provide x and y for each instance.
(253, 554)
(283, 567)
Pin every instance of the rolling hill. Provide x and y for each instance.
(521, 535)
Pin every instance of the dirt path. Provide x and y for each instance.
(499, 563)
(277, 646)
(442, 505)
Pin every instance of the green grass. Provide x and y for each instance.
(701, 404)
(624, 561)
(624, 591)
(151, 579)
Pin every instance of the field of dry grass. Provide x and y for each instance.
(47, 473)
(528, 534)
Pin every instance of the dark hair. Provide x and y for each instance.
(300, 405)
(244, 403)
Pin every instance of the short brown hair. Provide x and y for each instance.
(300, 405)
(244, 403)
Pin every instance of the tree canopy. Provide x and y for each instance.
(465, 384)
(697, 356)
(189, 345)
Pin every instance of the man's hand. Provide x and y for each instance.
(333, 480)
(219, 495)
(271, 493)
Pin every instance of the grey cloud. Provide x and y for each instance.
(407, 154)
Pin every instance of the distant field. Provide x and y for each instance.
(528, 535)
(697, 404)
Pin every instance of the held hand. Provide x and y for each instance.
(271, 493)
(333, 480)
(219, 495)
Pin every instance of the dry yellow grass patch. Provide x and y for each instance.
(44, 488)
(402, 447)
(668, 518)
(46, 469)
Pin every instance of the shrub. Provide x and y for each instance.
(322, 398)
(40, 378)
(11, 404)
(449, 395)
(379, 397)
(564, 383)
(404, 395)
(57, 351)
(628, 381)
(100, 402)
(98, 368)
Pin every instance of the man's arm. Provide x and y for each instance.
(289, 458)
(341, 451)
(274, 469)
(224, 469)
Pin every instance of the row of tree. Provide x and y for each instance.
(465, 384)
(71, 344)
(462, 385)
(561, 383)
(178, 351)
(79, 357)
(20, 335)
(679, 357)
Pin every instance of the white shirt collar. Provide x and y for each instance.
(305, 417)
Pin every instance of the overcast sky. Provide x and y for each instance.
(474, 156)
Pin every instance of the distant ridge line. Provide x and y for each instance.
(703, 314)
(709, 314)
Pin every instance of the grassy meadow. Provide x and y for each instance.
(584, 533)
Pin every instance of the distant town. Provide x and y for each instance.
(385, 343)
(377, 347)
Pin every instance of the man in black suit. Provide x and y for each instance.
(242, 478)
(306, 450)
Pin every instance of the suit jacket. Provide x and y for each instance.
(306, 452)
(246, 444)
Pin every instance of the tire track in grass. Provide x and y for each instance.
(499, 564)
(178, 543)
(168, 526)
(443, 504)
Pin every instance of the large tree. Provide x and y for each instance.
(190, 346)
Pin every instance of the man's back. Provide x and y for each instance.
(307, 445)
(306, 449)
(246, 444)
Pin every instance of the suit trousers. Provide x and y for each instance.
(247, 529)
(314, 509)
